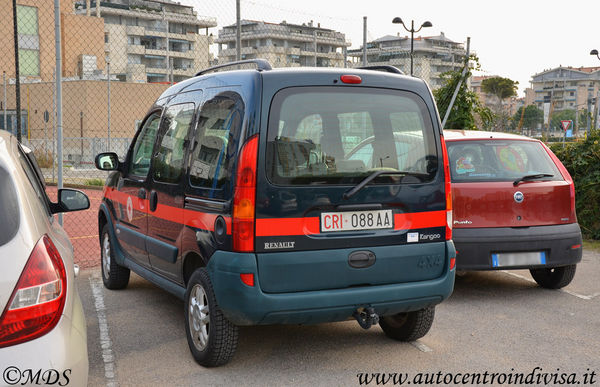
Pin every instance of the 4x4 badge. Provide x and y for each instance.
(519, 197)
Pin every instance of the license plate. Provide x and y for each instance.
(357, 220)
(518, 259)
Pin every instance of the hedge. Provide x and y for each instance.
(582, 160)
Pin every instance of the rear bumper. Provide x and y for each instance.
(475, 246)
(245, 305)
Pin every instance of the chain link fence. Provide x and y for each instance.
(118, 56)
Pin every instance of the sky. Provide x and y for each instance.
(513, 39)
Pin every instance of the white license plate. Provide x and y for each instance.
(518, 259)
(357, 220)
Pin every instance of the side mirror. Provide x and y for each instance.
(108, 161)
(70, 200)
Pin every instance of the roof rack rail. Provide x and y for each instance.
(388, 68)
(261, 64)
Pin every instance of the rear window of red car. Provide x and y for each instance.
(499, 160)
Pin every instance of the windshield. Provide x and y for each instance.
(497, 160)
(333, 135)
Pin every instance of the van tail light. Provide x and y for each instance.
(448, 190)
(244, 199)
(38, 300)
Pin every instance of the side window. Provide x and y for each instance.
(142, 150)
(214, 154)
(169, 158)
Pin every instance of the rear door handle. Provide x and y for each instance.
(141, 193)
(153, 200)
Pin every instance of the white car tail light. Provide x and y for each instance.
(38, 300)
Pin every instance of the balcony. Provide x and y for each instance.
(135, 30)
(136, 49)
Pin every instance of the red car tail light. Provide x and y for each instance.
(38, 300)
(244, 199)
(448, 189)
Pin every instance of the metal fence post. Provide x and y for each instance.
(364, 40)
(238, 33)
(59, 122)
(17, 75)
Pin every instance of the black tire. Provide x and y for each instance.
(211, 337)
(408, 326)
(114, 275)
(554, 277)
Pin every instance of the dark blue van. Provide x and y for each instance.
(285, 196)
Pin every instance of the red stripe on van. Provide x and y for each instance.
(191, 218)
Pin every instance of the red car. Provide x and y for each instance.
(513, 206)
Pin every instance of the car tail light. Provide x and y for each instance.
(452, 263)
(448, 189)
(572, 193)
(38, 300)
(244, 198)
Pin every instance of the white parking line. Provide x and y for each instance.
(110, 372)
(420, 346)
(581, 296)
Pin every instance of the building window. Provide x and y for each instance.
(106, 37)
(29, 62)
(29, 40)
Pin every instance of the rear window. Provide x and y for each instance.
(9, 208)
(499, 160)
(333, 135)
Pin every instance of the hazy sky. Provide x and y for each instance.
(513, 39)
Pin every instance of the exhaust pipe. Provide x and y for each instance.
(366, 318)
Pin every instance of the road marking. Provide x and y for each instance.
(110, 372)
(420, 346)
(581, 296)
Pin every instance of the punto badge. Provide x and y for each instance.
(519, 197)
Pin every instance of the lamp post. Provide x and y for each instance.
(412, 31)
(595, 52)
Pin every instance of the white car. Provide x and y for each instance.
(43, 337)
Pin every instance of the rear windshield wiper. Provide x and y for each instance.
(531, 177)
(351, 192)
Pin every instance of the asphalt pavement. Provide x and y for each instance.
(498, 323)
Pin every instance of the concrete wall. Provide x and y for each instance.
(129, 102)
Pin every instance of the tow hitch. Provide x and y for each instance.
(366, 318)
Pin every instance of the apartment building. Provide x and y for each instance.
(432, 55)
(152, 40)
(283, 44)
(574, 88)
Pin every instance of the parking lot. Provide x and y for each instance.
(495, 322)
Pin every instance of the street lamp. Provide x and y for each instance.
(595, 52)
(412, 31)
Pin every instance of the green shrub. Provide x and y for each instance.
(582, 160)
(95, 182)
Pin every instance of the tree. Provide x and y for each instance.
(532, 117)
(467, 108)
(500, 87)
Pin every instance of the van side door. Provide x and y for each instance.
(130, 197)
(210, 187)
(165, 208)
